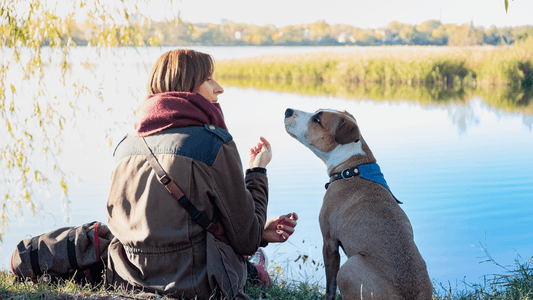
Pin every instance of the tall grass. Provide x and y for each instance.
(501, 76)
(450, 67)
(517, 284)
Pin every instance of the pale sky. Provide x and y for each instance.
(359, 13)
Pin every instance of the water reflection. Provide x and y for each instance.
(516, 100)
(462, 115)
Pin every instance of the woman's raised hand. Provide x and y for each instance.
(261, 154)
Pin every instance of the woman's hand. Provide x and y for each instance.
(279, 229)
(261, 154)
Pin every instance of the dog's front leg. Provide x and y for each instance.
(332, 259)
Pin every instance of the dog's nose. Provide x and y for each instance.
(288, 113)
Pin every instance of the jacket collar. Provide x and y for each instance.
(370, 172)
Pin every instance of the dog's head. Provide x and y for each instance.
(332, 135)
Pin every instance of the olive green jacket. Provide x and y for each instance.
(157, 245)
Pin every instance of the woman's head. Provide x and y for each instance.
(180, 71)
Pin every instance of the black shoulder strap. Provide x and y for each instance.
(34, 257)
(71, 250)
(176, 192)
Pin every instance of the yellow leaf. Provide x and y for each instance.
(64, 185)
(278, 268)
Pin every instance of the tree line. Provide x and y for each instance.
(431, 32)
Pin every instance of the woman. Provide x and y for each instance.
(158, 246)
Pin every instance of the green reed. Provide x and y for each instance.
(444, 68)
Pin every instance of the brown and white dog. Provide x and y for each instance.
(360, 214)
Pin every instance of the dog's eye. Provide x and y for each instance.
(316, 118)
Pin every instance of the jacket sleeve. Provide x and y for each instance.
(241, 201)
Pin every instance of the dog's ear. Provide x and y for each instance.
(347, 132)
(348, 114)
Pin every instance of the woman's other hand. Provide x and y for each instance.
(279, 229)
(261, 154)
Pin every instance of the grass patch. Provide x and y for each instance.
(12, 288)
(286, 290)
(517, 284)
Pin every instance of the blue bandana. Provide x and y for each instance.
(370, 172)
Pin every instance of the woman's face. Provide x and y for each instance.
(210, 89)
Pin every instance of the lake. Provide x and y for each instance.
(463, 169)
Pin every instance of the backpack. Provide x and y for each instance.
(77, 253)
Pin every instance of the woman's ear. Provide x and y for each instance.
(347, 132)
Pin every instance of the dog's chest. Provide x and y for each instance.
(340, 208)
(350, 205)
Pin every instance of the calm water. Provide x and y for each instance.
(464, 171)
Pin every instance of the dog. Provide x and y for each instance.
(360, 214)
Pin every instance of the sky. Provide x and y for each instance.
(359, 13)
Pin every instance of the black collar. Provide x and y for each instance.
(345, 174)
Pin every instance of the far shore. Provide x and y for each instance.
(450, 67)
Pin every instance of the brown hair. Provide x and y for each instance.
(180, 70)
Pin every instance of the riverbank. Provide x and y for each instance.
(449, 67)
(517, 284)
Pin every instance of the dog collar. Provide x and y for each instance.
(370, 172)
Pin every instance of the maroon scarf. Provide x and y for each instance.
(176, 109)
